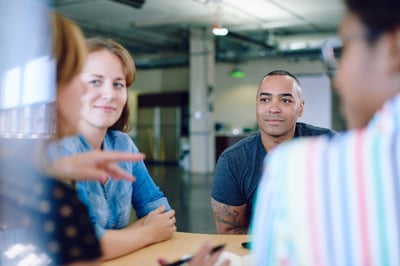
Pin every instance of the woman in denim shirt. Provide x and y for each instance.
(108, 72)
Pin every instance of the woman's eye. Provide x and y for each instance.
(119, 85)
(95, 82)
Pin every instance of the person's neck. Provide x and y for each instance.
(95, 136)
(63, 130)
(270, 142)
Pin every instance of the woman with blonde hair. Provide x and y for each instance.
(104, 120)
(70, 53)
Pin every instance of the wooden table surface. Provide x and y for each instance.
(180, 244)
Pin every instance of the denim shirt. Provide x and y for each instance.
(109, 204)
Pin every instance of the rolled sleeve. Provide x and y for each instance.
(150, 206)
(100, 231)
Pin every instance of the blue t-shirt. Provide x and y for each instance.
(110, 204)
(239, 168)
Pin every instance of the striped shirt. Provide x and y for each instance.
(332, 201)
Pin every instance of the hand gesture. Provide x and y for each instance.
(94, 165)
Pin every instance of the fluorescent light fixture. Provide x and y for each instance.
(219, 31)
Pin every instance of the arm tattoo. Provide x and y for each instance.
(241, 230)
(224, 214)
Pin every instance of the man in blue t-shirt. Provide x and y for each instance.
(239, 168)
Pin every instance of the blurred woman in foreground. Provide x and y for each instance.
(46, 224)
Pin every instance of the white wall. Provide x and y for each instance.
(157, 80)
(317, 100)
(234, 99)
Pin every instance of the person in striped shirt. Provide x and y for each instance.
(337, 201)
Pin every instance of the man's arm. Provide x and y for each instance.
(230, 219)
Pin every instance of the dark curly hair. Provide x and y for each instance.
(378, 15)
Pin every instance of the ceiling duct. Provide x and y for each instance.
(250, 40)
(132, 3)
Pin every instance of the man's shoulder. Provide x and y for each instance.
(247, 143)
(305, 130)
(323, 144)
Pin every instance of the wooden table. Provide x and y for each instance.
(180, 244)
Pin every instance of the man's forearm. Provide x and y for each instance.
(229, 219)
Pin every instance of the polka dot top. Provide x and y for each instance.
(42, 219)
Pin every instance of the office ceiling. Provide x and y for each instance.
(157, 31)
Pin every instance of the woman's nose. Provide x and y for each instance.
(106, 96)
(107, 92)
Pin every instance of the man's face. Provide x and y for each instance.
(279, 105)
(362, 78)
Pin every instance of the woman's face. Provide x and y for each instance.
(106, 95)
(68, 107)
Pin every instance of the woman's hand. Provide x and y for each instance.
(94, 165)
(161, 224)
(205, 258)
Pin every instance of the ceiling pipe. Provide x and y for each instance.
(132, 3)
(250, 40)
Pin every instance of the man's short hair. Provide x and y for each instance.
(280, 72)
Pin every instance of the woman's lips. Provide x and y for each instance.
(105, 108)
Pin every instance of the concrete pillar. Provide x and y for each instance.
(202, 81)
